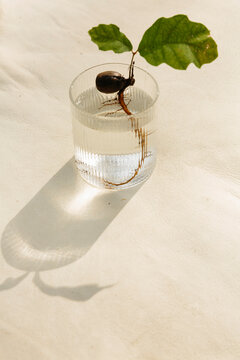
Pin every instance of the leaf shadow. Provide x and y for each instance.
(11, 282)
(77, 293)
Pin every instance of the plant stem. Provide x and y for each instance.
(130, 79)
(131, 67)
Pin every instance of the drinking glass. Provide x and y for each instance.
(112, 149)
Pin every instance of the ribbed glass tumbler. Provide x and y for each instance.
(114, 150)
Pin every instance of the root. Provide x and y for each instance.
(141, 134)
(142, 140)
(115, 111)
(122, 102)
(109, 102)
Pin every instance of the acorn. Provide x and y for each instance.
(109, 82)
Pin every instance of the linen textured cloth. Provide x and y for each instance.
(145, 274)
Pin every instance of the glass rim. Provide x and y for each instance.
(120, 117)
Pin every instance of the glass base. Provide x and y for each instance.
(115, 171)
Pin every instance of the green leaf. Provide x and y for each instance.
(109, 37)
(177, 41)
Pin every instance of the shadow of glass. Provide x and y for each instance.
(61, 223)
(77, 293)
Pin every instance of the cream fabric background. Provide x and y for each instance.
(161, 274)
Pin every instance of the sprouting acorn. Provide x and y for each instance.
(192, 39)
